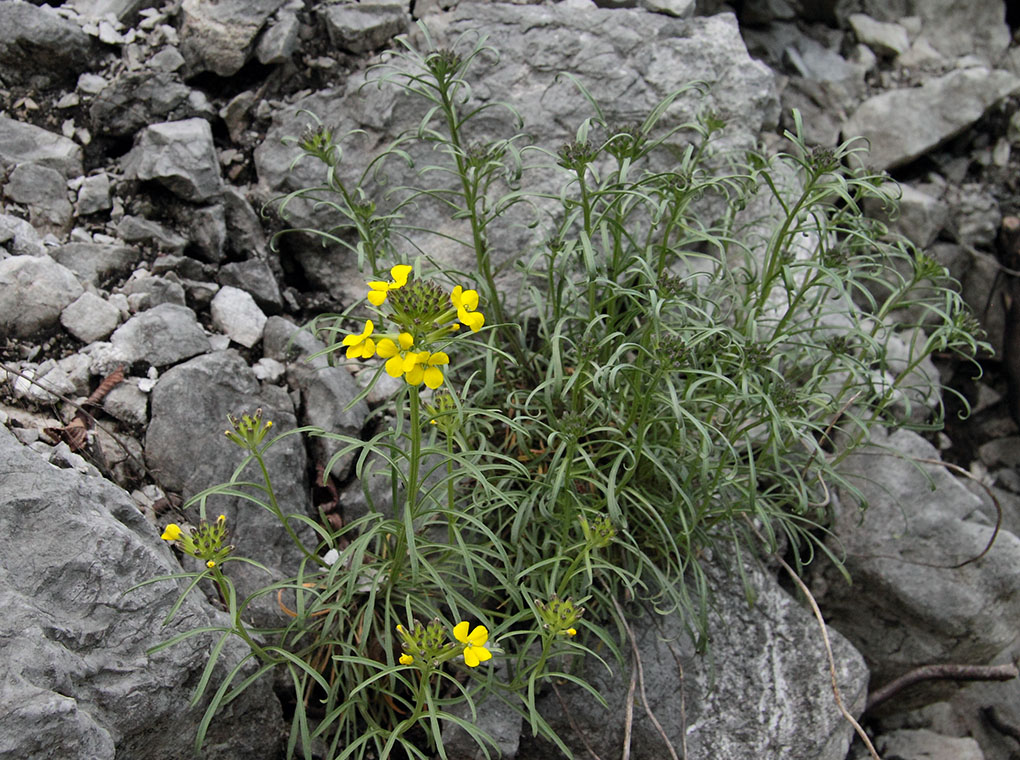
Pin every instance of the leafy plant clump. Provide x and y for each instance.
(697, 342)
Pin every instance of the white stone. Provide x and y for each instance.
(90, 318)
(235, 314)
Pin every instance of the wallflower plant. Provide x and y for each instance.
(697, 340)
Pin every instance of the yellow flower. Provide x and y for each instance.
(465, 302)
(394, 353)
(210, 564)
(172, 533)
(361, 346)
(378, 289)
(474, 643)
(406, 659)
(571, 631)
(424, 366)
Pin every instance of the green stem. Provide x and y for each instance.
(275, 507)
(403, 543)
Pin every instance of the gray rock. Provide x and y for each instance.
(127, 403)
(957, 29)
(675, 8)
(904, 124)
(207, 230)
(366, 26)
(974, 214)
(94, 195)
(920, 608)
(161, 336)
(145, 291)
(254, 276)
(246, 238)
(235, 314)
(34, 290)
(20, 237)
(280, 39)
(90, 318)
(167, 59)
(630, 59)
(22, 143)
(44, 191)
(922, 744)
(137, 229)
(36, 44)
(122, 10)
(218, 37)
(97, 263)
(138, 98)
(763, 689)
(326, 392)
(921, 216)
(185, 444)
(180, 155)
(79, 681)
(884, 38)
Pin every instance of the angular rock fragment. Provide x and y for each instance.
(37, 43)
(90, 318)
(161, 336)
(22, 143)
(34, 290)
(97, 262)
(138, 98)
(218, 37)
(904, 124)
(366, 26)
(180, 155)
(235, 313)
(44, 192)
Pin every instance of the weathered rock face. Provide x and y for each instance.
(769, 658)
(180, 155)
(902, 125)
(79, 681)
(37, 45)
(904, 554)
(218, 36)
(630, 59)
(22, 143)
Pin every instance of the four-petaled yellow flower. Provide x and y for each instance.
(172, 532)
(378, 289)
(424, 366)
(406, 659)
(361, 346)
(394, 353)
(465, 302)
(474, 643)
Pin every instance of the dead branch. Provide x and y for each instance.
(945, 672)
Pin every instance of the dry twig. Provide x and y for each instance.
(946, 671)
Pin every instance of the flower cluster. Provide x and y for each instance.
(560, 615)
(424, 317)
(248, 430)
(205, 543)
(428, 644)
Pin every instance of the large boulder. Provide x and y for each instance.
(219, 36)
(762, 690)
(629, 59)
(911, 602)
(34, 290)
(80, 681)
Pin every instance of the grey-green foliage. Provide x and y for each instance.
(697, 340)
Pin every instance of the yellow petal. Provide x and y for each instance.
(387, 348)
(439, 357)
(469, 299)
(172, 533)
(455, 297)
(433, 377)
(406, 341)
(414, 375)
(460, 631)
(479, 636)
(394, 366)
(376, 297)
(400, 274)
(481, 653)
(470, 658)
